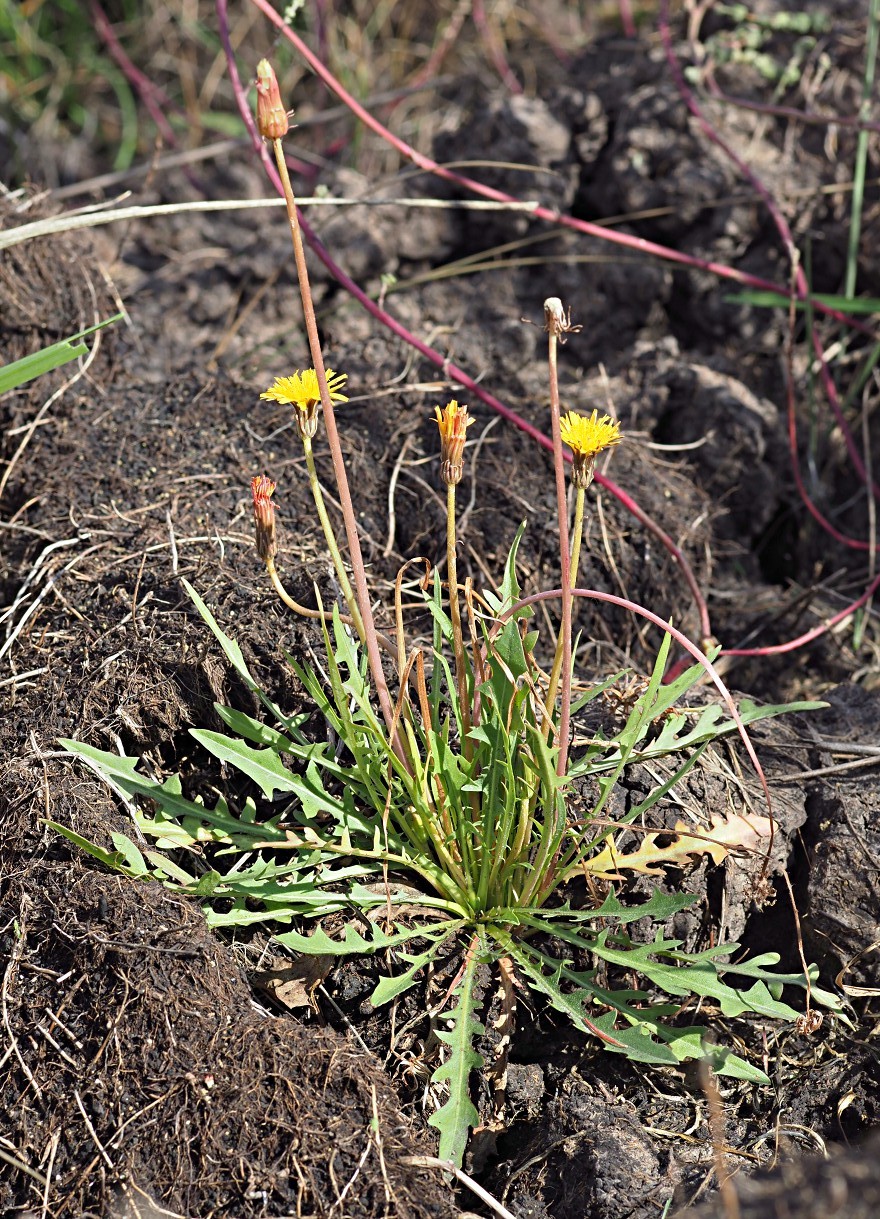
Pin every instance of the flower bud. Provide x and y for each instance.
(262, 489)
(272, 118)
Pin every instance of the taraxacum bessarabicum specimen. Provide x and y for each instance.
(438, 822)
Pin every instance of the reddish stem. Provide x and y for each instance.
(626, 18)
(493, 46)
(431, 67)
(792, 112)
(555, 320)
(689, 646)
(801, 286)
(777, 649)
(440, 361)
(542, 213)
(149, 92)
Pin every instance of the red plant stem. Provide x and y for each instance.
(801, 285)
(431, 68)
(150, 93)
(639, 513)
(542, 213)
(791, 112)
(354, 546)
(778, 649)
(852, 543)
(457, 374)
(492, 43)
(452, 370)
(348, 514)
(626, 18)
(554, 321)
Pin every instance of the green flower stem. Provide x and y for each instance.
(574, 563)
(351, 529)
(577, 533)
(465, 838)
(553, 327)
(330, 536)
(455, 617)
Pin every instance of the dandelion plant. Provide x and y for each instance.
(438, 822)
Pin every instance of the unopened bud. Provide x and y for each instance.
(272, 118)
(262, 489)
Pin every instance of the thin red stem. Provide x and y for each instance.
(452, 370)
(689, 646)
(493, 46)
(778, 649)
(554, 321)
(792, 112)
(150, 93)
(627, 240)
(801, 285)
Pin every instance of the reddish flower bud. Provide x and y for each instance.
(271, 116)
(262, 489)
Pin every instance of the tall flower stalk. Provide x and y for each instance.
(302, 391)
(557, 325)
(453, 421)
(586, 436)
(272, 121)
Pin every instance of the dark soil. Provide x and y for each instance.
(144, 1069)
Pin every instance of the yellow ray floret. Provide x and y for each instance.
(453, 420)
(302, 390)
(587, 437)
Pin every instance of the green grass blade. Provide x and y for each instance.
(54, 356)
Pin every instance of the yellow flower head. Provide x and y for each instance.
(453, 421)
(587, 437)
(302, 391)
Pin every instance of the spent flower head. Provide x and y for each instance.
(453, 421)
(587, 436)
(557, 319)
(262, 489)
(303, 391)
(272, 120)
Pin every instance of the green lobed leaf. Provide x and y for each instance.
(355, 944)
(264, 766)
(120, 772)
(458, 1114)
(392, 987)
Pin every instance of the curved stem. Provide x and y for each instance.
(689, 646)
(438, 359)
(802, 287)
(330, 538)
(628, 240)
(778, 649)
(304, 611)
